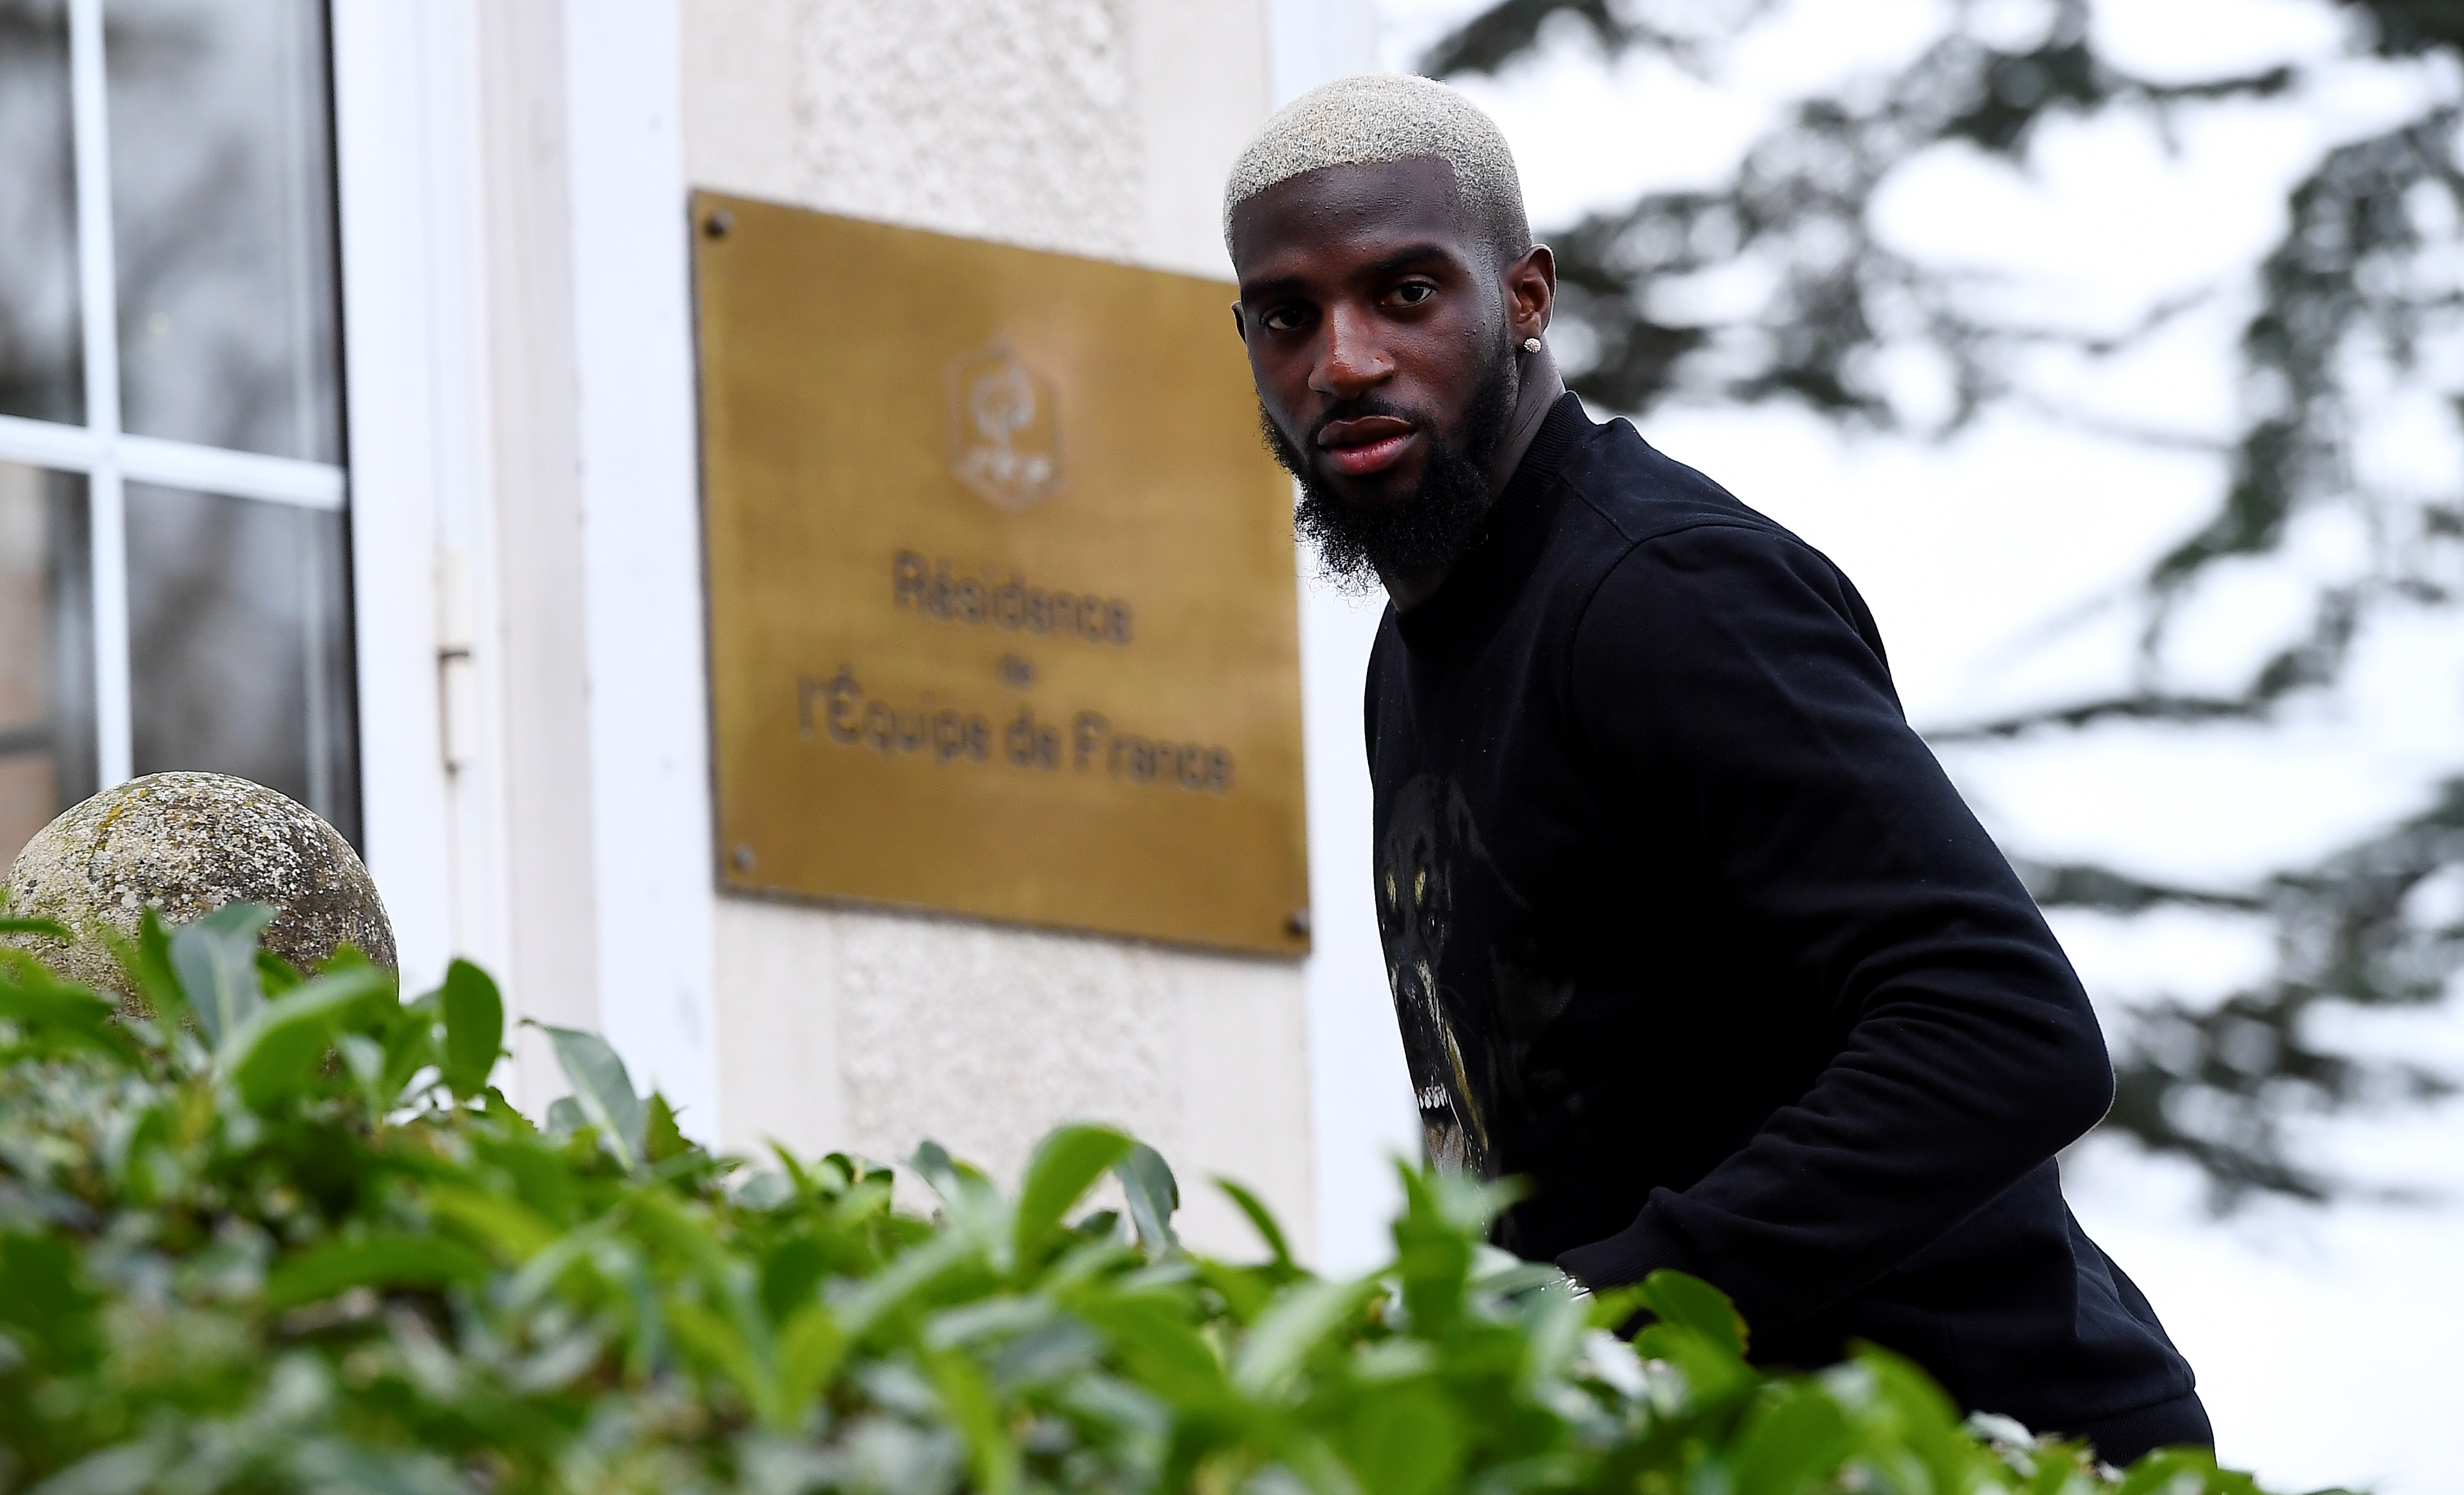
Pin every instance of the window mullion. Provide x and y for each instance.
(71, 448)
(98, 293)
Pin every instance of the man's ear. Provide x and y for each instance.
(1239, 324)
(1532, 289)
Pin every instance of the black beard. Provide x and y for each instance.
(1361, 544)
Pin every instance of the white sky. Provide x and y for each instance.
(2322, 1338)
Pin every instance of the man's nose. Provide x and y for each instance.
(1350, 361)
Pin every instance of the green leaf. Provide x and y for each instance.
(1692, 1303)
(137, 1168)
(411, 1046)
(1261, 1219)
(968, 1198)
(121, 1469)
(67, 1015)
(1614, 1307)
(1147, 1180)
(933, 1161)
(1793, 1446)
(1434, 1243)
(146, 962)
(1064, 1166)
(272, 1053)
(967, 1400)
(1919, 1404)
(721, 1346)
(800, 1178)
(687, 1235)
(790, 1274)
(661, 1137)
(275, 975)
(1404, 1440)
(474, 1029)
(45, 1301)
(811, 1345)
(1300, 1320)
(603, 1091)
(1553, 1322)
(1169, 1357)
(511, 1227)
(2163, 1470)
(1245, 1290)
(908, 1278)
(47, 926)
(215, 960)
(1899, 1399)
(388, 1258)
(1710, 1355)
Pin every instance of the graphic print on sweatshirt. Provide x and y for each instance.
(1467, 1058)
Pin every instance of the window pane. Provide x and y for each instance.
(222, 205)
(42, 364)
(239, 645)
(46, 650)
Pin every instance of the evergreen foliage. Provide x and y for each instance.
(260, 1233)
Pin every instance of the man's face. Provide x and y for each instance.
(1376, 330)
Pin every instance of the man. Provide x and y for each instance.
(1686, 928)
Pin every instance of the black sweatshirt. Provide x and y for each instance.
(1688, 930)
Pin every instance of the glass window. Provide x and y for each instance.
(41, 368)
(167, 271)
(222, 216)
(240, 646)
(46, 672)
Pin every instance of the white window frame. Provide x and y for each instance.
(108, 457)
(408, 195)
(412, 160)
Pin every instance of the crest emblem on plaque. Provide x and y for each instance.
(1004, 429)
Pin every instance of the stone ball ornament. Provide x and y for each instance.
(188, 844)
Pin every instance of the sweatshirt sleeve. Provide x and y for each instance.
(1734, 676)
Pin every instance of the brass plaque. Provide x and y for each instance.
(1003, 617)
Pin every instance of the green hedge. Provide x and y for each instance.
(279, 1234)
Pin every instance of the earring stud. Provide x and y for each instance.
(1530, 344)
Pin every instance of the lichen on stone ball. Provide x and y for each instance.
(188, 844)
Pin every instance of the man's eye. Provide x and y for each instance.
(1411, 292)
(1283, 318)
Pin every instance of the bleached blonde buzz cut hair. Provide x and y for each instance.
(1378, 117)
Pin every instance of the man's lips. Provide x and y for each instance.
(1370, 444)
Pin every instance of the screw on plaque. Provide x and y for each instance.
(1296, 923)
(743, 858)
(718, 223)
